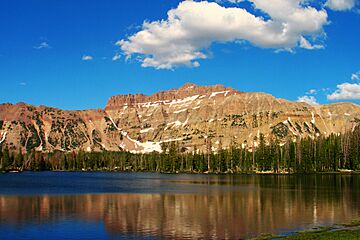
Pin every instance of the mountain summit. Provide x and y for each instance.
(188, 90)
(196, 117)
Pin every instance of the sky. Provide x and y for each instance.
(76, 54)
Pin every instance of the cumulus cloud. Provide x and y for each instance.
(346, 91)
(308, 99)
(191, 28)
(340, 5)
(42, 45)
(87, 58)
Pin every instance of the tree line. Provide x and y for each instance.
(305, 155)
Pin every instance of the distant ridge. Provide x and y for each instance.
(191, 115)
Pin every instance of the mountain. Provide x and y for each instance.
(197, 117)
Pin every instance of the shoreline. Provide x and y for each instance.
(336, 231)
(348, 172)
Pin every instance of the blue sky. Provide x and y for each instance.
(43, 45)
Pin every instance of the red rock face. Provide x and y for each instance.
(189, 115)
(185, 91)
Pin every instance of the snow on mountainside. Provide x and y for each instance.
(191, 115)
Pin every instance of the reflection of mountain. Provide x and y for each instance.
(252, 208)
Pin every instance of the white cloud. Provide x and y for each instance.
(116, 57)
(308, 99)
(232, 1)
(355, 76)
(307, 45)
(87, 58)
(312, 91)
(346, 91)
(192, 27)
(340, 5)
(42, 45)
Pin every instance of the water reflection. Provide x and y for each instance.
(257, 205)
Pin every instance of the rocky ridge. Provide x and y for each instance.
(194, 116)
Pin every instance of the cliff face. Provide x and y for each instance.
(188, 90)
(191, 115)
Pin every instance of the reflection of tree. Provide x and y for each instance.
(239, 208)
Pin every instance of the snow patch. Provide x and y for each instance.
(292, 131)
(186, 122)
(180, 111)
(196, 108)
(217, 93)
(347, 114)
(185, 100)
(3, 137)
(113, 123)
(120, 130)
(148, 147)
(146, 130)
(312, 118)
(103, 146)
(172, 140)
(122, 146)
(177, 123)
(149, 104)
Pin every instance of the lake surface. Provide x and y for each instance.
(76, 205)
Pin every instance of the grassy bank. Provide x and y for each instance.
(346, 231)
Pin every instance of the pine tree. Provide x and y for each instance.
(1, 158)
(6, 158)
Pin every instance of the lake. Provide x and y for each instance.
(108, 205)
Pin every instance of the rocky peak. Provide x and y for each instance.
(188, 115)
(187, 90)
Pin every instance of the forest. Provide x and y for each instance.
(306, 155)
